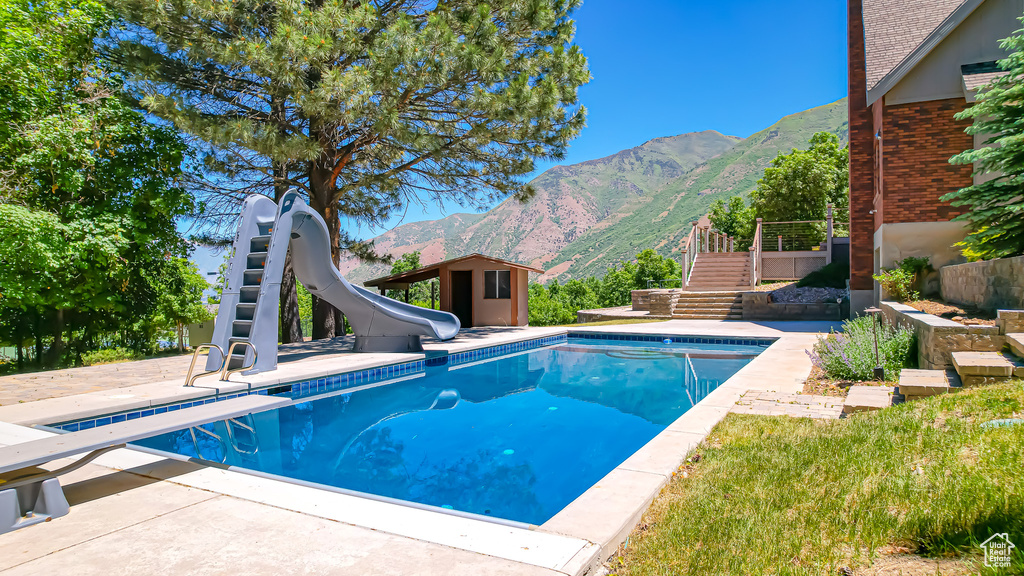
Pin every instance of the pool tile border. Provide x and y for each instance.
(762, 342)
(315, 386)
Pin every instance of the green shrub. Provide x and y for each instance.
(914, 265)
(850, 355)
(898, 284)
(109, 356)
(833, 275)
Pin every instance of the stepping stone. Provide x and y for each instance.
(977, 368)
(1016, 343)
(866, 398)
(916, 384)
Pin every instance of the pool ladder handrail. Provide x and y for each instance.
(232, 441)
(225, 372)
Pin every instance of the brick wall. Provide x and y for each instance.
(861, 157)
(918, 139)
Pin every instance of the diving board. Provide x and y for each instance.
(40, 495)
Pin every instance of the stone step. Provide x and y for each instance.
(1016, 343)
(707, 317)
(977, 368)
(707, 310)
(710, 299)
(866, 398)
(916, 384)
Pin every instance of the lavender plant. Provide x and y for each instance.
(850, 354)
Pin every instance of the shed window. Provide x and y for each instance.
(498, 284)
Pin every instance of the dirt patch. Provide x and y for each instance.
(897, 561)
(966, 315)
(819, 384)
(773, 286)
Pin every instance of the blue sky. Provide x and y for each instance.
(663, 67)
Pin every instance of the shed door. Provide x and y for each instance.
(462, 296)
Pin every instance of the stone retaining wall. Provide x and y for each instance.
(757, 306)
(937, 338)
(616, 313)
(992, 284)
(641, 300)
(663, 302)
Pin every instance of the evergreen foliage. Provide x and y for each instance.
(996, 206)
(365, 105)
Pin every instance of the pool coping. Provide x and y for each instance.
(576, 540)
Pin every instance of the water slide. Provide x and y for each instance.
(248, 313)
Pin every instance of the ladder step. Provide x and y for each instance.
(241, 328)
(256, 261)
(248, 294)
(259, 243)
(245, 311)
(252, 277)
(265, 228)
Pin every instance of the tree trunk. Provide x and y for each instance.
(58, 337)
(21, 357)
(181, 337)
(321, 199)
(291, 321)
(323, 319)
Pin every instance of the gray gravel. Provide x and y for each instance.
(807, 295)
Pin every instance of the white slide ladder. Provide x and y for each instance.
(247, 320)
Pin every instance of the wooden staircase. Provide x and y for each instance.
(720, 272)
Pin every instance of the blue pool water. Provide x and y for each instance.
(516, 437)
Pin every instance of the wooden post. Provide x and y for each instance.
(828, 237)
(406, 293)
(432, 295)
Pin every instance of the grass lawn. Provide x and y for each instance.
(911, 489)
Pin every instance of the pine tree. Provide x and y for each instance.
(379, 103)
(996, 206)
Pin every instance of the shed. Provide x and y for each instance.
(480, 290)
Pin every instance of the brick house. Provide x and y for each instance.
(913, 64)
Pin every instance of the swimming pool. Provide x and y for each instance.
(515, 437)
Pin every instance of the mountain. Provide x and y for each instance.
(588, 215)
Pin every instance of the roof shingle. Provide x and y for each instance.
(895, 28)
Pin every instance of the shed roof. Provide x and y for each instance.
(433, 270)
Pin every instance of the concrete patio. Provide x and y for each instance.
(136, 512)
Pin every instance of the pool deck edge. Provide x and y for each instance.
(573, 543)
(607, 512)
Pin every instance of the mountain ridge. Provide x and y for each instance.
(589, 214)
